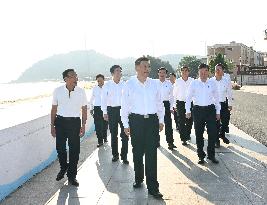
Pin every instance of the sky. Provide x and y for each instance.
(32, 30)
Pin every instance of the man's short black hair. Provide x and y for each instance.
(203, 65)
(139, 60)
(66, 72)
(173, 74)
(219, 64)
(100, 76)
(112, 69)
(185, 67)
(162, 68)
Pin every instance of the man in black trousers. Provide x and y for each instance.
(179, 94)
(142, 116)
(101, 125)
(68, 101)
(166, 91)
(206, 111)
(173, 80)
(111, 106)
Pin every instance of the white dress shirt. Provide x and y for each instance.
(227, 77)
(95, 99)
(180, 89)
(111, 95)
(225, 90)
(166, 91)
(141, 98)
(203, 94)
(69, 105)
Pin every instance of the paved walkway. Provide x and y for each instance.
(239, 178)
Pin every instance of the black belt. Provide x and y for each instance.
(143, 116)
(204, 107)
(67, 118)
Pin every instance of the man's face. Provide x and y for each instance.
(162, 74)
(117, 73)
(71, 79)
(100, 81)
(218, 71)
(185, 73)
(143, 69)
(203, 73)
(172, 79)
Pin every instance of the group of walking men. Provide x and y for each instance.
(141, 106)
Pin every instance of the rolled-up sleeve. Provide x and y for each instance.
(189, 96)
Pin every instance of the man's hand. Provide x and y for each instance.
(175, 109)
(106, 117)
(53, 131)
(92, 112)
(188, 115)
(161, 125)
(127, 131)
(82, 131)
(218, 117)
(230, 108)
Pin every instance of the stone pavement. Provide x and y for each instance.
(239, 178)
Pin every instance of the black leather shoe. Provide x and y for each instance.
(99, 145)
(213, 160)
(125, 161)
(61, 174)
(73, 182)
(105, 140)
(225, 140)
(201, 161)
(156, 194)
(115, 158)
(137, 185)
(184, 143)
(171, 146)
(227, 130)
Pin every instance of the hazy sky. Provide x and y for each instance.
(33, 29)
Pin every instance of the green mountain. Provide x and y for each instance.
(87, 64)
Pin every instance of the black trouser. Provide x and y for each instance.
(223, 123)
(114, 119)
(205, 115)
(68, 128)
(175, 116)
(101, 125)
(168, 123)
(185, 125)
(228, 115)
(144, 139)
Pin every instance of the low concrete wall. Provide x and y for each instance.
(25, 150)
(252, 79)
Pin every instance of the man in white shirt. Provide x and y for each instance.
(142, 116)
(166, 91)
(173, 80)
(101, 125)
(225, 92)
(111, 105)
(179, 93)
(206, 110)
(68, 101)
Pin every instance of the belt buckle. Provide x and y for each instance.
(146, 116)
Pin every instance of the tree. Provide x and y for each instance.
(156, 63)
(192, 62)
(219, 58)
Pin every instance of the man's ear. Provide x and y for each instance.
(64, 79)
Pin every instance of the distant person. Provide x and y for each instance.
(111, 106)
(66, 124)
(173, 80)
(225, 92)
(179, 93)
(206, 111)
(143, 115)
(166, 91)
(101, 125)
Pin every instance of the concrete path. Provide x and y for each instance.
(239, 178)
